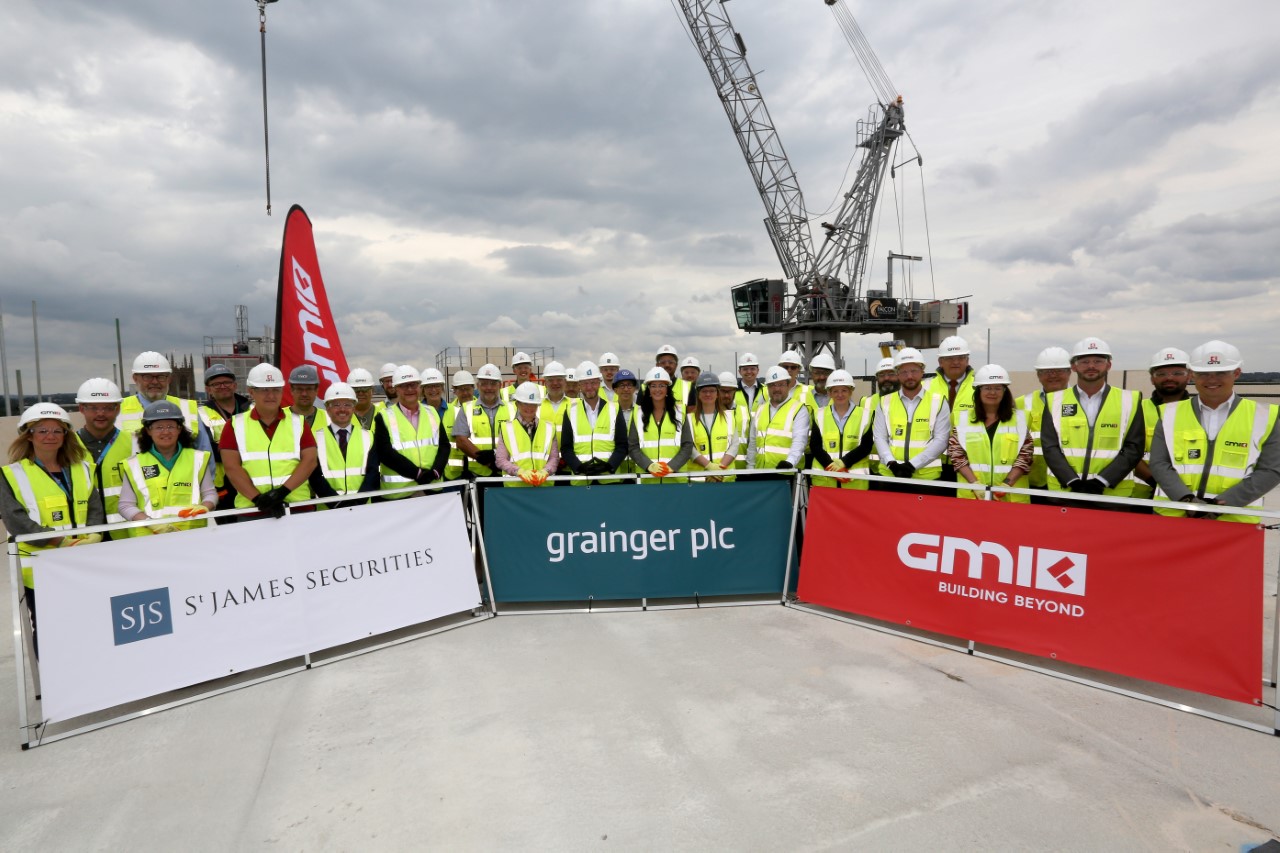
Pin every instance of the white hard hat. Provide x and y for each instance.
(749, 360)
(953, 345)
(98, 391)
(151, 362)
(360, 378)
(881, 366)
(555, 368)
(339, 391)
(667, 349)
(838, 378)
(823, 361)
(44, 411)
(463, 377)
(388, 370)
(527, 393)
(609, 360)
(405, 373)
(265, 376)
(657, 374)
(1090, 346)
(1169, 357)
(570, 375)
(1053, 358)
(990, 374)
(521, 358)
(431, 376)
(1214, 356)
(588, 370)
(789, 357)
(777, 373)
(908, 356)
(487, 371)
(690, 361)
(728, 380)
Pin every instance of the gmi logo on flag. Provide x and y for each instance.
(1042, 568)
(141, 615)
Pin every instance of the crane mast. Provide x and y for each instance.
(822, 295)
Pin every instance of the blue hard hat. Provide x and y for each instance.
(625, 375)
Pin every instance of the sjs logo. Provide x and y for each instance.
(1041, 568)
(141, 615)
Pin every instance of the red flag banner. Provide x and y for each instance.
(305, 329)
(1170, 600)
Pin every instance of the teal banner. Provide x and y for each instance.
(620, 541)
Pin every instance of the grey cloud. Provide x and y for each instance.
(539, 261)
(1090, 228)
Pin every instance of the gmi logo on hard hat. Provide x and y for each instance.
(1215, 359)
(1042, 568)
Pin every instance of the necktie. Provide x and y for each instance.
(951, 395)
(342, 442)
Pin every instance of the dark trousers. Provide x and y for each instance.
(30, 595)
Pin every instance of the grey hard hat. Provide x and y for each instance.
(162, 410)
(304, 374)
(216, 370)
(707, 379)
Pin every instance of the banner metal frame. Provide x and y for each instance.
(971, 649)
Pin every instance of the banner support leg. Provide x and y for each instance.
(19, 636)
(791, 539)
(484, 555)
(1275, 655)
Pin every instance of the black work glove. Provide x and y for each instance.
(902, 469)
(426, 476)
(487, 458)
(1093, 486)
(784, 465)
(272, 502)
(594, 467)
(1077, 486)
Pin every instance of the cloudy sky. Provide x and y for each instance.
(559, 172)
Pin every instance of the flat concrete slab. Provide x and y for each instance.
(748, 728)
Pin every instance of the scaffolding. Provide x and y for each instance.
(470, 359)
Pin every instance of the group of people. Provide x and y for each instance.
(165, 460)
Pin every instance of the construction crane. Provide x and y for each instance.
(822, 295)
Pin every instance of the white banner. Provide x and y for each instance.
(122, 621)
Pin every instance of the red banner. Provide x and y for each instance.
(305, 330)
(1171, 600)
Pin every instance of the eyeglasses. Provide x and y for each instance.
(42, 431)
(221, 383)
(163, 427)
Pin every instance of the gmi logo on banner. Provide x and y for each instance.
(141, 615)
(1042, 568)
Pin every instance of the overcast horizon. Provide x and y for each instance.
(562, 174)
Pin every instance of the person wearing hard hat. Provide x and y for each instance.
(732, 400)
(790, 362)
(476, 426)
(820, 368)
(571, 383)
(609, 366)
(108, 447)
(625, 387)
(346, 463)
(1092, 434)
(464, 386)
(1053, 372)
(304, 385)
(1169, 378)
(886, 378)
(386, 375)
(716, 430)
(362, 382)
(267, 452)
(464, 392)
(409, 437)
(991, 445)
(668, 359)
(433, 390)
(682, 390)
(48, 486)
(751, 393)
(151, 375)
(841, 437)
(222, 404)
(526, 447)
(554, 402)
(659, 441)
(954, 381)
(779, 428)
(911, 428)
(885, 382)
(522, 367)
(167, 479)
(1217, 447)
(593, 440)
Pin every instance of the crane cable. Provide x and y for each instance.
(866, 56)
(266, 141)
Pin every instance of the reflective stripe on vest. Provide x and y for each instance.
(269, 462)
(130, 419)
(419, 447)
(592, 441)
(901, 429)
(47, 505)
(774, 431)
(344, 474)
(837, 442)
(484, 431)
(167, 501)
(525, 452)
(1234, 454)
(991, 457)
(1089, 449)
